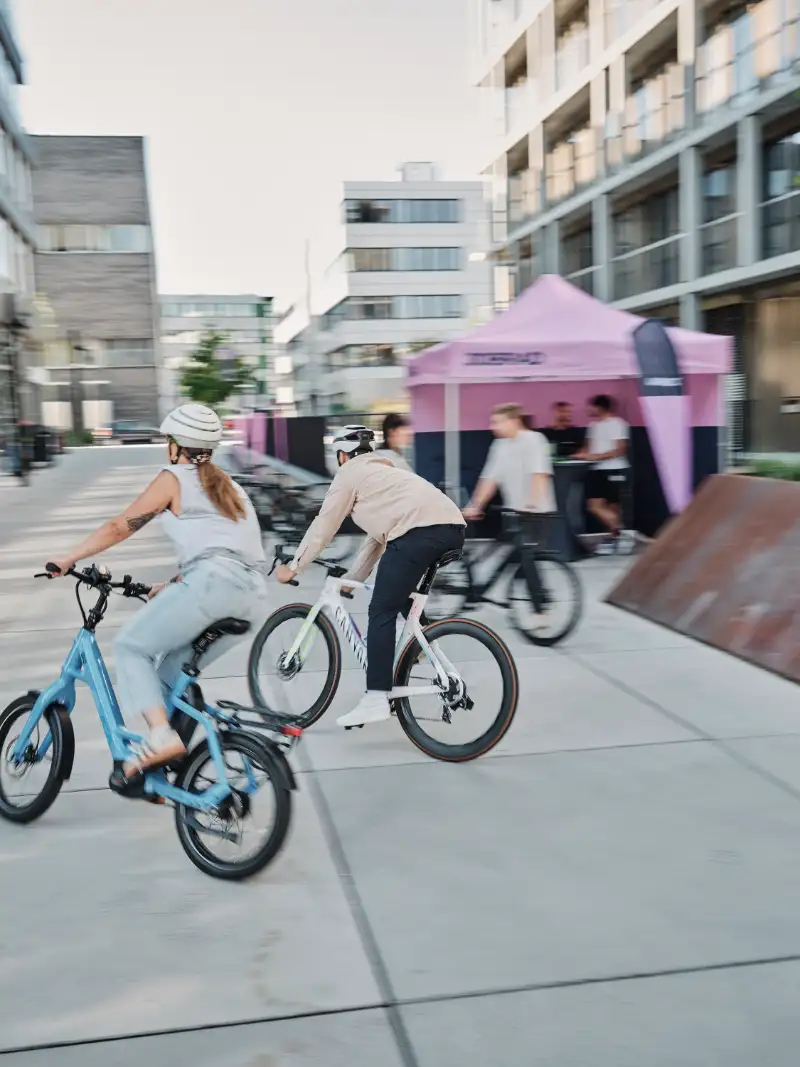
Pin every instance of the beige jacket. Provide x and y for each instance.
(383, 500)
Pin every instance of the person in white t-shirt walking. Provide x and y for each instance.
(607, 448)
(520, 465)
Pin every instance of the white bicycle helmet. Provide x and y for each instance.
(350, 438)
(193, 426)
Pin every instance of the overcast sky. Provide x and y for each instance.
(255, 111)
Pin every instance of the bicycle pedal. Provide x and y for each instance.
(360, 726)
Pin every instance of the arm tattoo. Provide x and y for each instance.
(136, 522)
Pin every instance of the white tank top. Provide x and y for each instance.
(201, 530)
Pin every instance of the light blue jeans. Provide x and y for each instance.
(152, 648)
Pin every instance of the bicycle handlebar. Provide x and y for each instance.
(98, 579)
(333, 569)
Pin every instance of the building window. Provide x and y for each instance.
(402, 211)
(718, 229)
(363, 356)
(127, 353)
(369, 307)
(55, 238)
(405, 259)
(647, 245)
(428, 307)
(780, 209)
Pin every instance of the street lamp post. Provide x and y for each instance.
(262, 310)
(76, 349)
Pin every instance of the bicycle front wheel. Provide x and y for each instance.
(28, 788)
(301, 686)
(564, 596)
(473, 715)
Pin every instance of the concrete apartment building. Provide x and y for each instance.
(246, 320)
(650, 152)
(18, 373)
(412, 272)
(95, 269)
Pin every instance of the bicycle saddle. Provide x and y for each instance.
(234, 627)
(449, 557)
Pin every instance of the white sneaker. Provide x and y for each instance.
(541, 620)
(373, 707)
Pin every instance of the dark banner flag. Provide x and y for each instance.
(666, 411)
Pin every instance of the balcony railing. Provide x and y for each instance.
(653, 115)
(583, 279)
(524, 196)
(620, 15)
(571, 165)
(718, 240)
(780, 225)
(761, 46)
(520, 101)
(653, 267)
(572, 53)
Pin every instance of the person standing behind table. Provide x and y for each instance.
(396, 430)
(520, 465)
(607, 449)
(566, 438)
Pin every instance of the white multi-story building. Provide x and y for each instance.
(246, 321)
(649, 151)
(413, 271)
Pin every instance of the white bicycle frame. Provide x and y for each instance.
(330, 601)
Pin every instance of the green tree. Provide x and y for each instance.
(214, 372)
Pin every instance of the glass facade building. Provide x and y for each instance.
(649, 151)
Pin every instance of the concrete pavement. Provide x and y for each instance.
(616, 884)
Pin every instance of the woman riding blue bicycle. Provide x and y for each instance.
(217, 539)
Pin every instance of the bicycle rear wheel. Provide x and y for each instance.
(564, 602)
(471, 718)
(254, 823)
(304, 687)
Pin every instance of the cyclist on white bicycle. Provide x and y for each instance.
(409, 525)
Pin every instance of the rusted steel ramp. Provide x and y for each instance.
(727, 572)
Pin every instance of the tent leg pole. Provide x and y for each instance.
(452, 451)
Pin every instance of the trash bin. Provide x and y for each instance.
(41, 451)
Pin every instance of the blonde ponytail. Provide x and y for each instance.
(220, 490)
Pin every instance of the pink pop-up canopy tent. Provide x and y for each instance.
(558, 343)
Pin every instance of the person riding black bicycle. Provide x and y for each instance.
(519, 464)
(409, 524)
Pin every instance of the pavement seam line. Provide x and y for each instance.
(434, 998)
(369, 941)
(722, 744)
(611, 979)
(198, 1028)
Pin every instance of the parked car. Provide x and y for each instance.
(127, 432)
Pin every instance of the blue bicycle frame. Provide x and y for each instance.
(85, 664)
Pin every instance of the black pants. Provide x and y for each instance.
(399, 572)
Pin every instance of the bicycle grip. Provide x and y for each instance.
(346, 595)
